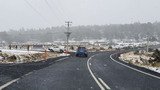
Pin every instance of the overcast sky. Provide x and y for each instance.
(15, 14)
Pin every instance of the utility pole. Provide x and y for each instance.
(147, 43)
(68, 33)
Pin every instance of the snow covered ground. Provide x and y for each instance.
(1, 58)
(156, 69)
(64, 54)
(130, 57)
(19, 52)
(23, 56)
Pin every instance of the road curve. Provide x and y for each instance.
(97, 72)
(120, 77)
(68, 74)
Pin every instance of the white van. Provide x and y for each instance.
(59, 49)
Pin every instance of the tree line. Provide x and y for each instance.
(135, 31)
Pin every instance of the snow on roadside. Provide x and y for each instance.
(1, 58)
(64, 54)
(19, 52)
(130, 57)
(156, 69)
(20, 56)
(23, 56)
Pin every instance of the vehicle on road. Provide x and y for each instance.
(56, 49)
(81, 52)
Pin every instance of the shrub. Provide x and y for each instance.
(150, 50)
(5, 55)
(12, 58)
(101, 48)
(136, 52)
(110, 47)
(1, 54)
(156, 55)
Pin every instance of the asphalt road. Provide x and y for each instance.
(97, 72)
(9, 72)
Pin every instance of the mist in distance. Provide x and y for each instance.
(16, 14)
(137, 31)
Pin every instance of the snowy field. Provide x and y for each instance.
(19, 52)
(23, 56)
(127, 57)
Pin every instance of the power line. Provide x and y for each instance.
(35, 10)
(58, 8)
(66, 11)
(61, 12)
(50, 7)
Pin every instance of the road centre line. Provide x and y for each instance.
(94, 77)
(104, 84)
(61, 59)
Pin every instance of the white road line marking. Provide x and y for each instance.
(134, 68)
(28, 73)
(108, 88)
(61, 59)
(96, 80)
(9, 83)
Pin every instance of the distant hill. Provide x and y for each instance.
(113, 31)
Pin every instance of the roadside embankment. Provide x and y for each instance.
(21, 56)
(141, 60)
